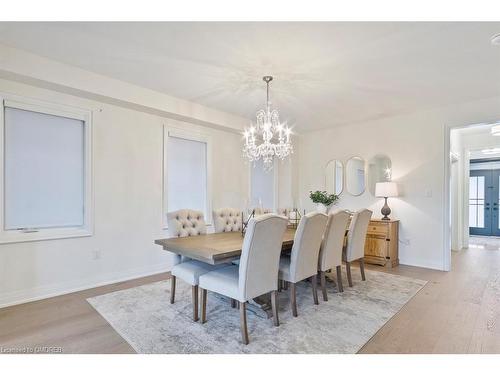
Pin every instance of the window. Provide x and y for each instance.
(186, 173)
(262, 185)
(45, 171)
(476, 201)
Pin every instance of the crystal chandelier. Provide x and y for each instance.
(268, 137)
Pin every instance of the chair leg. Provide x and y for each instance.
(362, 268)
(194, 292)
(348, 270)
(172, 289)
(233, 303)
(322, 280)
(285, 285)
(314, 282)
(243, 323)
(293, 299)
(274, 305)
(203, 305)
(280, 285)
(340, 287)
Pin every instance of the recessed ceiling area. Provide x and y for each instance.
(326, 74)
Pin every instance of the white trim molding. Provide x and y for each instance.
(40, 234)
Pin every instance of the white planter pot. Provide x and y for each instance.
(320, 207)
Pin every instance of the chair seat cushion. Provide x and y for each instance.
(284, 270)
(223, 281)
(191, 270)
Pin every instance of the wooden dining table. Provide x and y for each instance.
(214, 248)
(217, 248)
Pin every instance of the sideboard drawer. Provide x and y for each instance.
(378, 228)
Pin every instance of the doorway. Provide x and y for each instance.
(483, 201)
(473, 170)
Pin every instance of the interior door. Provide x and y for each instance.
(480, 196)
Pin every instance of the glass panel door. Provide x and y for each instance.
(480, 196)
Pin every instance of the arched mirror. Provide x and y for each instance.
(379, 170)
(334, 177)
(355, 175)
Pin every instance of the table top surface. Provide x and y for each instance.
(214, 248)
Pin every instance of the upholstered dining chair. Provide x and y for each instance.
(355, 248)
(330, 254)
(262, 211)
(257, 273)
(303, 260)
(186, 223)
(227, 220)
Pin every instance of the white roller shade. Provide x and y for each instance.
(262, 186)
(186, 175)
(44, 170)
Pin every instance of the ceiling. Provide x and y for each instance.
(326, 74)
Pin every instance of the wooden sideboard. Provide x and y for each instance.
(382, 241)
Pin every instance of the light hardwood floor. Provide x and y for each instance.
(456, 312)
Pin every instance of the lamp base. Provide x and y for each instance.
(386, 211)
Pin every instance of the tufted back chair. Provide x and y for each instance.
(227, 220)
(356, 237)
(263, 211)
(185, 223)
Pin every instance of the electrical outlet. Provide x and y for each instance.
(96, 254)
(406, 241)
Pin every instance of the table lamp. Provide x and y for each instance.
(386, 190)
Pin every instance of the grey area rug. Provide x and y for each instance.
(144, 317)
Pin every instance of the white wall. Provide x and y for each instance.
(416, 144)
(128, 204)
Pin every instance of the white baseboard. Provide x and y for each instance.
(433, 266)
(53, 290)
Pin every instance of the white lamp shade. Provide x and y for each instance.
(386, 189)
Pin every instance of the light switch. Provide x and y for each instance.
(428, 193)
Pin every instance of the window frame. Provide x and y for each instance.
(42, 234)
(170, 131)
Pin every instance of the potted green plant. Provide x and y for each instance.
(323, 200)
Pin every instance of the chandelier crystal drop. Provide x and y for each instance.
(268, 137)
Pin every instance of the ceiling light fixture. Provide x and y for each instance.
(495, 130)
(495, 40)
(268, 137)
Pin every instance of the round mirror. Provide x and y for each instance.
(355, 175)
(379, 170)
(334, 177)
